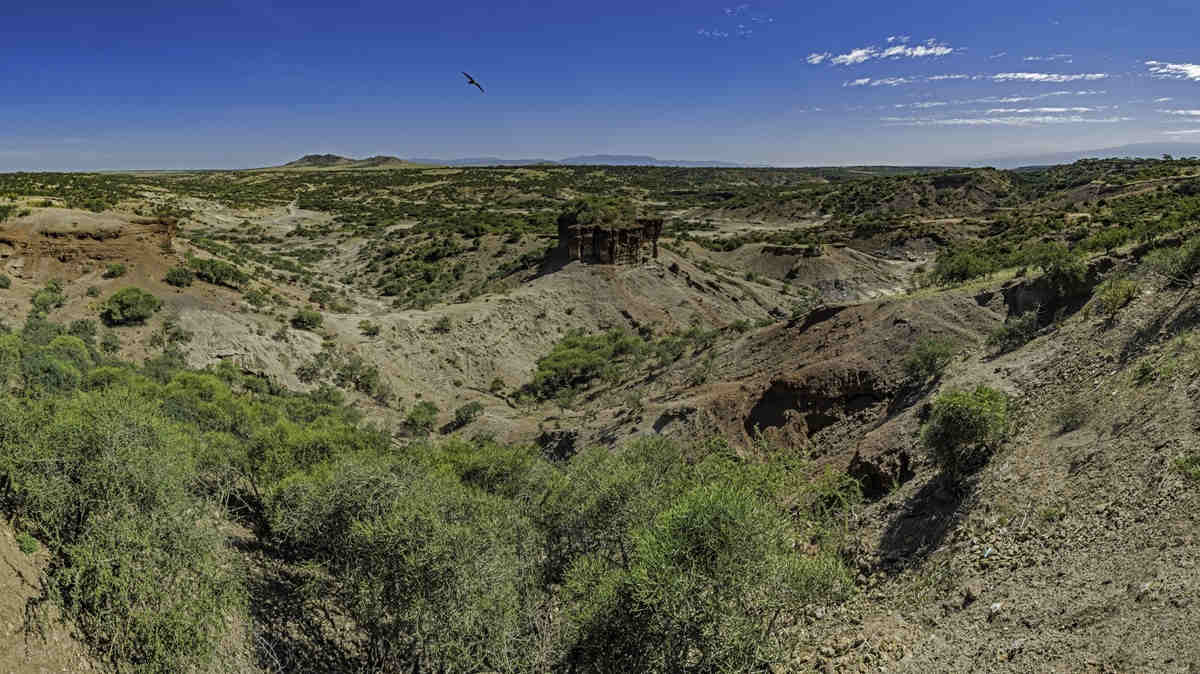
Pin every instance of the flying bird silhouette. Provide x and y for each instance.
(471, 80)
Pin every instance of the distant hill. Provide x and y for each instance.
(333, 161)
(1138, 150)
(639, 160)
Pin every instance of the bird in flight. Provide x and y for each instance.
(471, 80)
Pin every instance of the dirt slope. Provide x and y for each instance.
(22, 651)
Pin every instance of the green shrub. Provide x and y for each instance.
(26, 543)
(142, 568)
(1112, 295)
(436, 575)
(964, 428)
(49, 298)
(93, 291)
(180, 277)
(84, 329)
(256, 298)
(5, 282)
(928, 358)
(421, 419)
(578, 358)
(307, 319)
(114, 270)
(465, 414)
(219, 272)
(45, 373)
(1064, 270)
(1016, 331)
(110, 343)
(368, 328)
(957, 266)
(129, 306)
(1189, 467)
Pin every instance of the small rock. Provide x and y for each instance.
(970, 592)
(994, 611)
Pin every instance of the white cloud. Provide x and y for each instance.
(713, 34)
(734, 11)
(817, 59)
(1042, 120)
(1026, 99)
(1182, 132)
(1182, 113)
(898, 49)
(1026, 111)
(882, 82)
(1164, 99)
(860, 55)
(1000, 55)
(1175, 71)
(924, 105)
(1052, 57)
(1046, 77)
(939, 78)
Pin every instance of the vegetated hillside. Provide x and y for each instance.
(388, 426)
(333, 161)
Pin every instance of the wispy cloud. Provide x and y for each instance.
(898, 49)
(1182, 132)
(999, 55)
(939, 78)
(1174, 71)
(1053, 57)
(747, 19)
(1026, 111)
(1042, 120)
(1182, 113)
(882, 82)
(1046, 77)
(1164, 99)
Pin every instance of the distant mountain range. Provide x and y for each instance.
(333, 161)
(337, 162)
(1133, 150)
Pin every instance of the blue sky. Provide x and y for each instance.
(240, 83)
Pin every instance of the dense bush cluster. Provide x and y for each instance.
(457, 556)
(129, 306)
(218, 272)
(964, 428)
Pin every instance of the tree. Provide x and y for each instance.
(965, 427)
(180, 277)
(421, 418)
(129, 306)
(307, 319)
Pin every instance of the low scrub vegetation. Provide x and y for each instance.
(579, 358)
(928, 358)
(180, 277)
(964, 428)
(1112, 295)
(129, 306)
(1016, 331)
